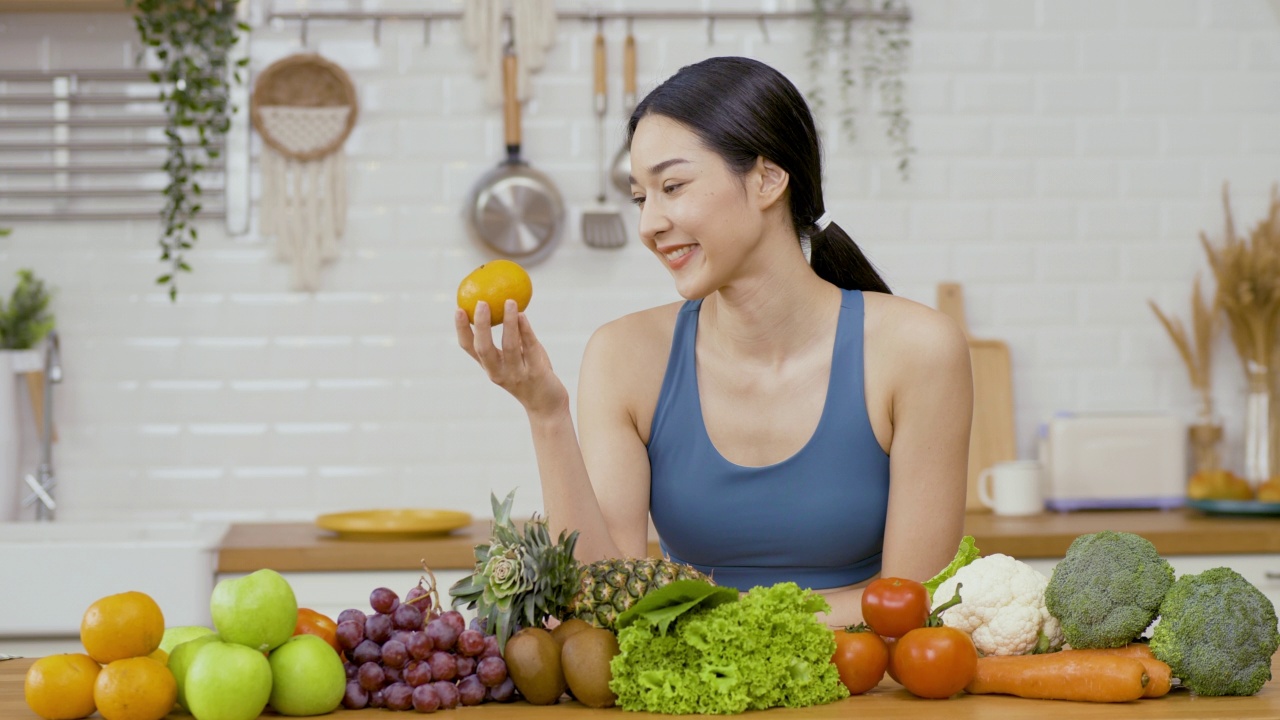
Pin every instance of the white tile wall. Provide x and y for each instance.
(1069, 154)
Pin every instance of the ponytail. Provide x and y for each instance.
(836, 258)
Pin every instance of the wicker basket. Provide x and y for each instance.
(301, 82)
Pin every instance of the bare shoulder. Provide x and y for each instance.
(913, 335)
(629, 355)
(634, 333)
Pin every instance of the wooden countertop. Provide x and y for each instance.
(889, 700)
(295, 547)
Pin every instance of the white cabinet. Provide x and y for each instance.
(1261, 569)
(332, 592)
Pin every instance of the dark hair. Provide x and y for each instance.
(743, 110)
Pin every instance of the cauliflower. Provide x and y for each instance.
(1002, 607)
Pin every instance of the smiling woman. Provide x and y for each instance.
(791, 420)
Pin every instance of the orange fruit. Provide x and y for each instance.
(159, 656)
(495, 282)
(137, 688)
(120, 626)
(60, 687)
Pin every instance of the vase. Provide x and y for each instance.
(1257, 425)
(1205, 441)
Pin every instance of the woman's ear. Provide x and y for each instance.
(772, 182)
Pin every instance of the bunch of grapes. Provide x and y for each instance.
(411, 656)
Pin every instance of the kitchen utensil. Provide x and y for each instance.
(387, 523)
(602, 224)
(514, 210)
(621, 168)
(992, 438)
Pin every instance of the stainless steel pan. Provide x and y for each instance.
(514, 210)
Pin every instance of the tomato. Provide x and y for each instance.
(861, 658)
(892, 645)
(935, 662)
(895, 606)
(311, 622)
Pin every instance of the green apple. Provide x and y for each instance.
(258, 610)
(175, 636)
(307, 677)
(227, 681)
(181, 658)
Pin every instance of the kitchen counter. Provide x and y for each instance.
(888, 700)
(302, 547)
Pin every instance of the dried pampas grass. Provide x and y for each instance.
(1196, 351)
(1248, 274)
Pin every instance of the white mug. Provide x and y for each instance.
(1012, 488)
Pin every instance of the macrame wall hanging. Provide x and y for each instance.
(304, 108)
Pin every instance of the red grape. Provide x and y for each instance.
(376, 699)
(504, 692)
(425, 699)
(491, 671)
(470, 690)
(355, 697)
(383, 600)
(419, 645)
(398, 696)
(454, 618)
(407, 617)
(417, 673)
(378, 629)
(349, 634)
(466, 665)
(448, 693)
(371, 676)
(443, 666)
(394, 654)
(366, 652)
(352, 615)
(471, 643)
(491, 647)
(442, 634)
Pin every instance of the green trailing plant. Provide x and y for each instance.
(25, 319)
(191, 39)
(880, 60)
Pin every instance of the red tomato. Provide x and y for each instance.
(861, 658)
(894, 607)
(892, 645)
(311, 622)
(935, 662)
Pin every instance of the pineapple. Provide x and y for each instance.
(523, 578)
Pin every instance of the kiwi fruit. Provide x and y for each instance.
(567, 629)
(585, 659)
(533, 662)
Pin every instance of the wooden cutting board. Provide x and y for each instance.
(992, 438)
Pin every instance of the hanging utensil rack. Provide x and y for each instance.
(72, 139)
(427, 17)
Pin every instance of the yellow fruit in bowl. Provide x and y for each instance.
(495, 282)
(1269, 491)
(124, 625)
(60, 687)
(1218, 485)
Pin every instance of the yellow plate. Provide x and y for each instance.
(382, 524)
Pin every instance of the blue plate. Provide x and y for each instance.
(1235, 507)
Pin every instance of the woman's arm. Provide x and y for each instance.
(932, 409)
(616, 525)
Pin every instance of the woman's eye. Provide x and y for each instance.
(672, 187)
(638, 200)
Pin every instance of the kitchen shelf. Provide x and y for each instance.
(51, 6)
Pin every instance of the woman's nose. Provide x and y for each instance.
(652, 221)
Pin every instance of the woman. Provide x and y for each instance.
(791, 420)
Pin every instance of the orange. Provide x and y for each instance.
(126, 625)
(495, 282)
(159, 656)
(136, 688)
(60, 687)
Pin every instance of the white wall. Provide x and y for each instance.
(1070, 152)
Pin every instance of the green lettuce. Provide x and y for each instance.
(766, 650)
(967, 553)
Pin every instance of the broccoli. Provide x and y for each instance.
(1218, 633)
(1107, 589)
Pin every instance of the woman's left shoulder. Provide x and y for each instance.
(911, 331)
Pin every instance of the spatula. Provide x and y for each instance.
(992, 439)
(602, 224)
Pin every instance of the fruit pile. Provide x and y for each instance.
(409, 655)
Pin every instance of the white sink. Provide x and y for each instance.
(51, 572)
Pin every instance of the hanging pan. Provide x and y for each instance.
(515, 211)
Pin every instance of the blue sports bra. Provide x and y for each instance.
(816, 518)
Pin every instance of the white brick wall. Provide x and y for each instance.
(1069, 154)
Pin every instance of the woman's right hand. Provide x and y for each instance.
(521, 366)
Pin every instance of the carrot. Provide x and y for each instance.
(1160, 675)
(1066, 675)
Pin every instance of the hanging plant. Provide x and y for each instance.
(191, 40)
(881, 60)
